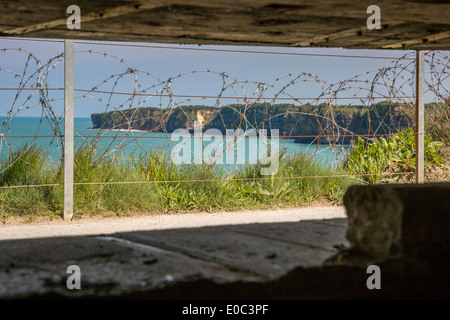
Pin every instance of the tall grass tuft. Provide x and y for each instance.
(26, 166)
(92, 195)
(310, 180)
(159, 185)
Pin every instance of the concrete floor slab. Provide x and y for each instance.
(108, 267)
(127, 263)
(244, 250)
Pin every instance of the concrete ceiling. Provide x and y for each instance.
(406, 24)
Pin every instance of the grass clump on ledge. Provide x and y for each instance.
(28, 166)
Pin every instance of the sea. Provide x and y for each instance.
(18, 131)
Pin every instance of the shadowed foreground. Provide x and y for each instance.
(401, 228)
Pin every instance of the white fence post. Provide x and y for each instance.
(68, 128)
(420, 116)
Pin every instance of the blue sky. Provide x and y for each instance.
(92, 69)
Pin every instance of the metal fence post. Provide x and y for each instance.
(68, 128)
(420, 116)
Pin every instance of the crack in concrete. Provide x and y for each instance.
(173, 251)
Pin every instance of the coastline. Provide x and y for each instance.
(119, 130)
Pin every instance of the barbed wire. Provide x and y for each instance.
(207, 180)
(313, 120)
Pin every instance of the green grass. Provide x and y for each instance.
(300, 180)
(437, 121)
(27, 165)
(395, 155)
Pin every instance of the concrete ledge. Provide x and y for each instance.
(401, 228)
(413, 220)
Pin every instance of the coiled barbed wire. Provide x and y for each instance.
(394, 84)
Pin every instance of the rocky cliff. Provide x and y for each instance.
(307, 121)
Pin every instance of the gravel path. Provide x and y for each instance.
(158, 222)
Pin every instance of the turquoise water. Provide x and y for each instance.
(117, 142)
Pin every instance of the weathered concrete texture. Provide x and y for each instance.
(410, 24)
(375, 220)
(266, 250)
(144, 263)
(412, 218)
(37, 267)
(293, 260)
(400, 279)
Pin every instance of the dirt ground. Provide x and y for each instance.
(108, 225)
(432, 174)
(86, 216)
